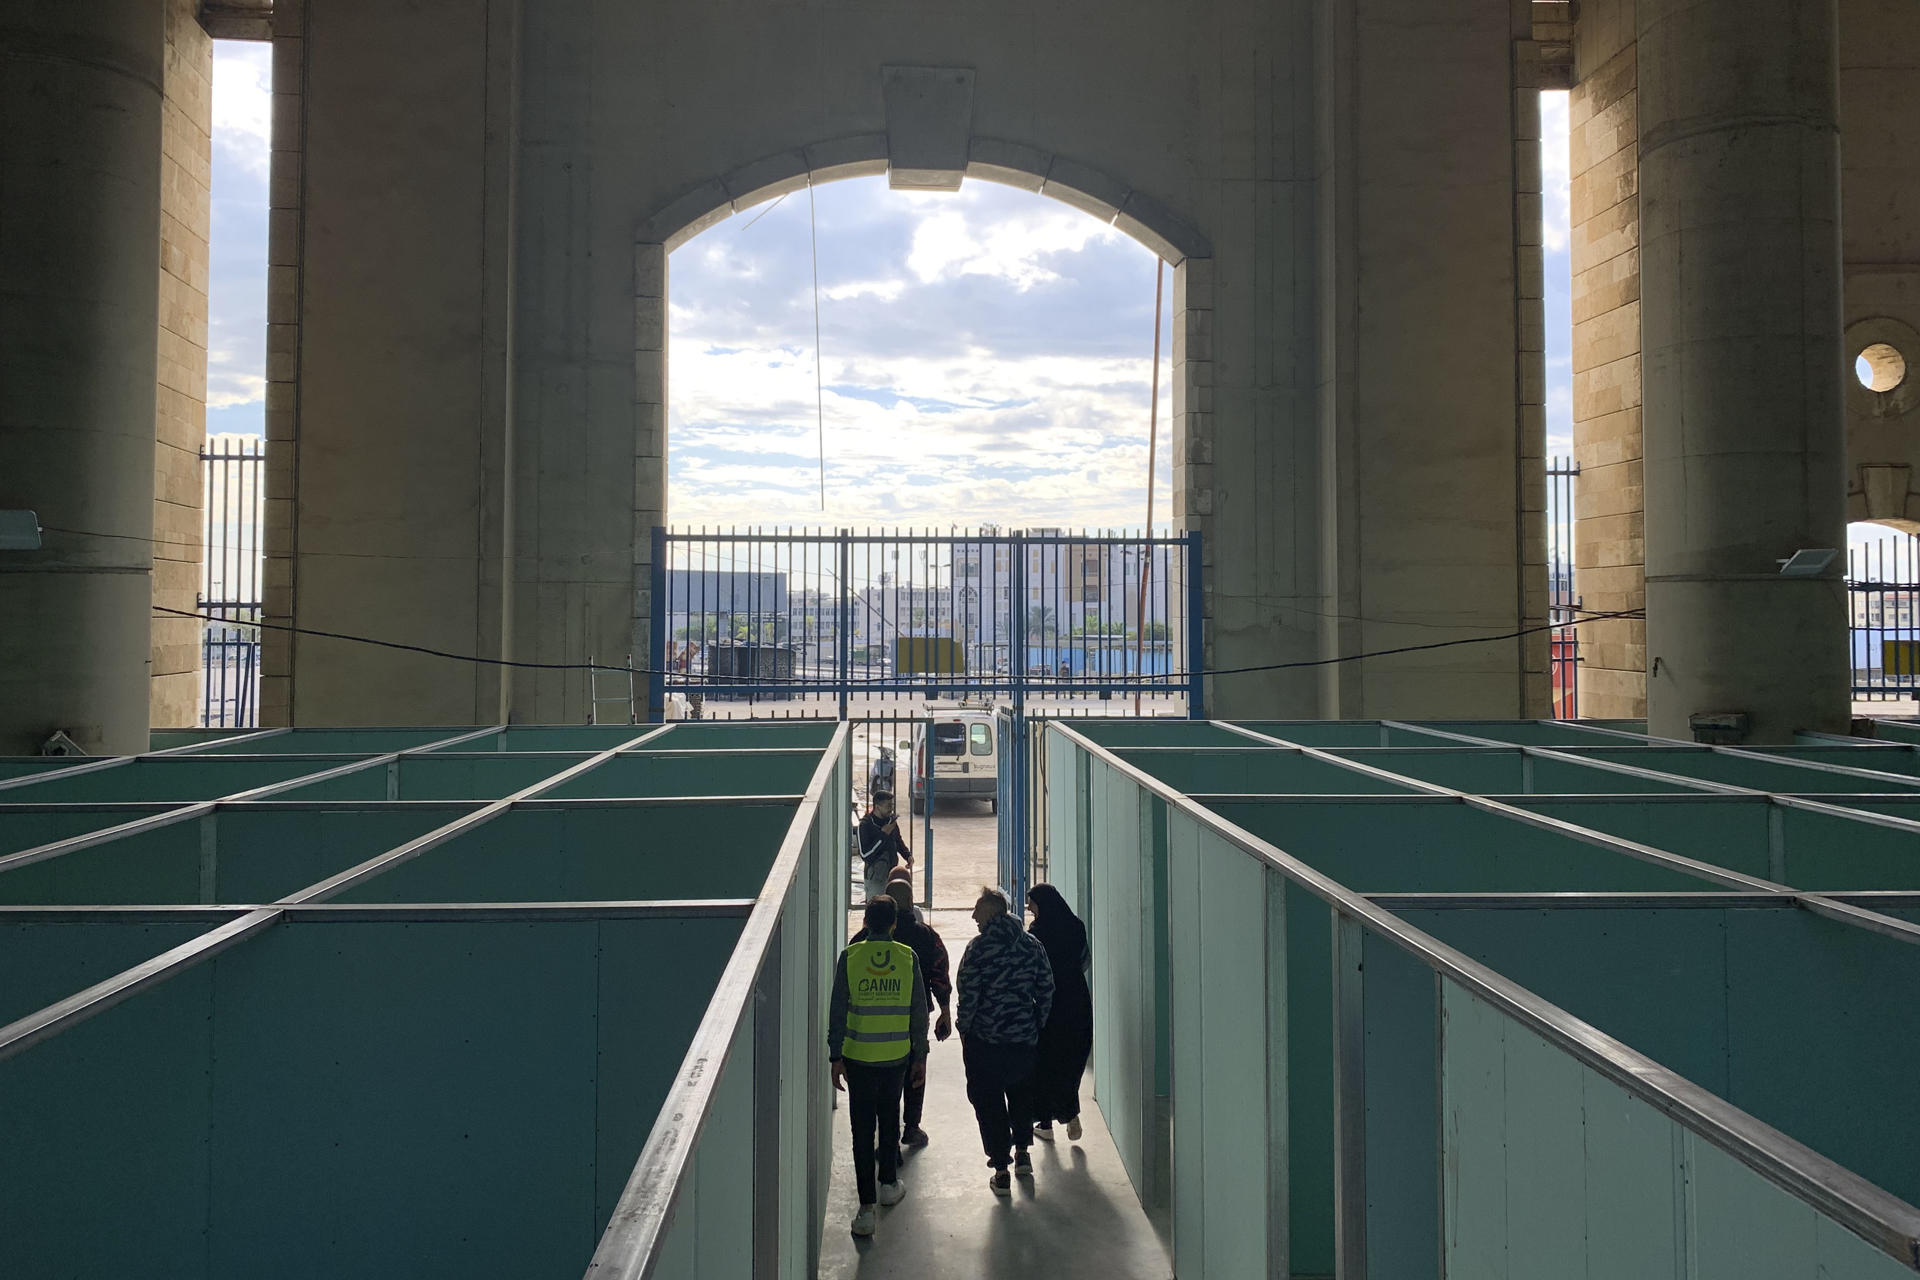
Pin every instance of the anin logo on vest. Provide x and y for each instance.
(880, 977)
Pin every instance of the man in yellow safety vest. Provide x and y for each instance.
(876, 1039)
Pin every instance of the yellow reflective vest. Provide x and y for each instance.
(879, 1002)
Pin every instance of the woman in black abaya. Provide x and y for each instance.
(1067, 1039)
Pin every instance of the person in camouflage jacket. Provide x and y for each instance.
(1006, 993)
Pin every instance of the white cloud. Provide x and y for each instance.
(243, 101)
(1555, 160)
(885, 290)
(948, 243)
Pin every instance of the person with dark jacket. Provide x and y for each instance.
(1066, 1041)
(1006, 992)
(881, 846)
(931, 953)
(876, 1041)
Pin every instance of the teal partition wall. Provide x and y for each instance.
(233, 853)
(1276, 979)
(505, 1036)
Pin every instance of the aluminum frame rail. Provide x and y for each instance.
(795, 914)
(1890, 1224)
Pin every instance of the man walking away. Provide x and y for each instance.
(876, 1039)
(1006, 992)
(881, 846)
(930, 955)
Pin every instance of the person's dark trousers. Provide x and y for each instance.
(1000, 1087)
(873, 1102)
(1060, 1062)
(915, 1103)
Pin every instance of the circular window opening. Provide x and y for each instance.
(1880, 367)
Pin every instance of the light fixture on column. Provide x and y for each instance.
(19, 531)
(1807, 562)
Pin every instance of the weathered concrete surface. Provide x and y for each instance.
(1740, 325)
(1879, 98)
(469, 311)
(1880, 184)
(80, 166)
(1609, 516)
(180, 416)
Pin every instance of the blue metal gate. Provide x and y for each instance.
(890, 628)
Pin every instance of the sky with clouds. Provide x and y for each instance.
(985, 355)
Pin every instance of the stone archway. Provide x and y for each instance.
(1185, 248)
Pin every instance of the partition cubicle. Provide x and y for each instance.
(510, 1001)
(1511, 1005)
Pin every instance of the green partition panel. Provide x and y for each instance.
(1528, 733)
(1069, 850)
(548, 852)
(24, 826)
(1224, 1207)
(1879, 757)
(478, 776)
(1725, 830)
(1164, 732)
(1254, 770)
(1755, 773)
(1551, 1169)
(1826, 851)
(1745, 993)
(590, 738)
(44, 960)
(1123, 942)
(334, 742)
(743, 735)
(428, 1098)
(177, 778)
(1399, 1065)
(638, 775)
(1897, 730)
(237, 854)
(1445, 846)
(169, 739)
(1482, 770)
(1321, 733)
(31, 766)
(1570, 775)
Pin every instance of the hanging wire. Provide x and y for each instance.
(819, 395)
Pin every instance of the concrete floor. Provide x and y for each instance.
(1077, 1217)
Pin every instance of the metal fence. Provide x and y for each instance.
(943, 649)
(233, 471)
(848, 619)
(1883, 597)
(1563, 602)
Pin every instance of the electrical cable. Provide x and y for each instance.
(1089, 680)
(819, 394)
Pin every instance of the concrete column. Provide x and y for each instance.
(80, 91)
(1740, 322)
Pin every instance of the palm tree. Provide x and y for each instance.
(1040, 622)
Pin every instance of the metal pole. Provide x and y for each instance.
(1153, 445)
(657, 605)
(1196, 653)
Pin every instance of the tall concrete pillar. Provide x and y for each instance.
(1740, 326)
(80, 92)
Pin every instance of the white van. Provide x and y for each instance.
(966, 755)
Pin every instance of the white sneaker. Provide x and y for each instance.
(892, 1192)
(863, 1221)
(1073, 1129)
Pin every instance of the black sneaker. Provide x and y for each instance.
(1022, 1164)
(914, 1137)
(1002, 1185)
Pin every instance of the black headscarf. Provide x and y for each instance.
(1057, 929)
